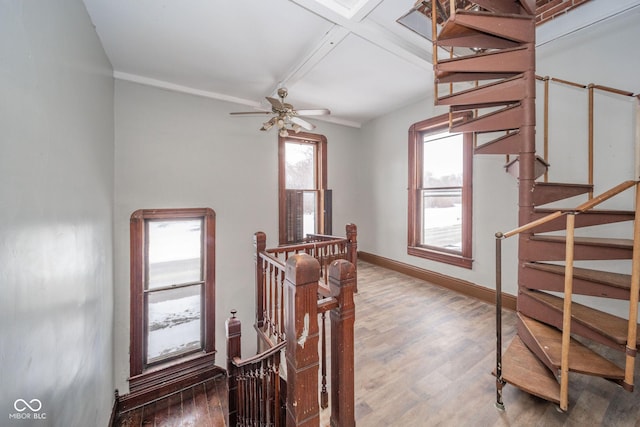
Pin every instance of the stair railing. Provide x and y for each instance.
(270, 275)
(631, 349)
(255, 392)
(591, 87)
(295, 285)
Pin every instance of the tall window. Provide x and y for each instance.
(440, 193)
(172, 287)
(305, 202)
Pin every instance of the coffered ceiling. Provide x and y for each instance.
(350, 56)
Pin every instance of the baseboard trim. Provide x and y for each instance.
(448, 282)
(141, 397)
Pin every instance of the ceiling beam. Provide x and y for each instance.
(373, 33)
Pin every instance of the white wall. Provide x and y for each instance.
(177, 150)
(604, 54)
(56, 201)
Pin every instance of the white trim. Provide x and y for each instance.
(214, 95)
(185, 89)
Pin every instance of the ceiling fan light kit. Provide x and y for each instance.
(286, 117)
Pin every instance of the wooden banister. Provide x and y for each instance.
(590, 204)
(254, 395)
(289, 297)
(631, 347)
(260, 244)
(342, 281)
(531, 224)
(234, 338)
(591, 87)
(566, 312)
(301, 330)
(631, 350)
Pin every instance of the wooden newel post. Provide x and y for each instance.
(301, 329)
(342, 282)
(260, 244)
(352, 246)
(234, 337)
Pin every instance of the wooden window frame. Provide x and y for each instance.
(324, 202)
(417, 131)
(141, 376)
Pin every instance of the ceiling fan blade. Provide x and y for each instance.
(303, 123)
(249, 113)
(316, 112)
(277, 104)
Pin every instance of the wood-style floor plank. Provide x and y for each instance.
(424, 357)
(148, 415)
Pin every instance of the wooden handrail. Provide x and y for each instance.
(631, 347)
(531, 224)
(327, 304)
(590, 204)
(590, 122)
(287, 280)
(590, 140)
(300, 247)
(583, 86)
(238, 362)
(634, 298)
(566, 313)
(270, 259)
(546, 126)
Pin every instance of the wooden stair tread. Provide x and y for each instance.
(501, 120)
(617, 280)
(547, 192)
(521, 368)
(509, 60)
(582, 359)
(456, 35)
(590, 241)
(608, 325)
(506, 91)
(505, 29)
(461, 76)
(506, 144)
(584, 219)
(589, 212)
(483, 54)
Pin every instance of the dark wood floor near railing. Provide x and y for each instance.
(203, 405)
(424, 357)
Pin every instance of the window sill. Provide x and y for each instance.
(447, 258)
(171, 371)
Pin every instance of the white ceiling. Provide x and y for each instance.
(350, 56)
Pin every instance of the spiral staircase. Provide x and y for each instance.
(495, 79)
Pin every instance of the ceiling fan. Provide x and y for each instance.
(285, 115)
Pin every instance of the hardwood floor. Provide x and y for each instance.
(204, 404)
(424, 357)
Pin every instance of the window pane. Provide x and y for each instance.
(309, 218)
(443, 161)
(442, 218)
(300, 166)
(175, 252)
(174, 322)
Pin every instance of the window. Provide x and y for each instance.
(440, 196)
(172, 288)
(305, 201)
